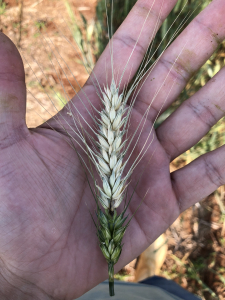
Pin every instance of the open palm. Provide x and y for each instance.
(48, 242)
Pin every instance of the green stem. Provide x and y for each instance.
(111, 279)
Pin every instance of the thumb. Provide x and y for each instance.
(12, 93)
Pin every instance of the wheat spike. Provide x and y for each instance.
(109, 164)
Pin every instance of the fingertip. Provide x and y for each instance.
(12, 88)
(10, 58)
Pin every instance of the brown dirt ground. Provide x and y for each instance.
(41, 48)
(196, 240)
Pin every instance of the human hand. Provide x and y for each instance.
(48, 244)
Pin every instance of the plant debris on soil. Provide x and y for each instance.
(196, 240)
